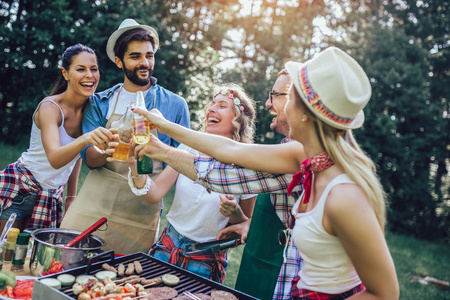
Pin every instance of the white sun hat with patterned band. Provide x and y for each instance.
(126, 25)
(333, 86)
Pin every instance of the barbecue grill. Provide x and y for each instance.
(152, 267)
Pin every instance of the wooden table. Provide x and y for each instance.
(26, 268)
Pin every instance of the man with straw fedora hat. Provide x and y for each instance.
(132, 222)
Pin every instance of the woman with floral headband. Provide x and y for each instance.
(340, 216)
(197, 216)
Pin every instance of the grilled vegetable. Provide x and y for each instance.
(103, 274)
(170, 279)
(51, 282)
(84, 278)
(66, 279)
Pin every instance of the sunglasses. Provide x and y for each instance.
(276, 94)
(284, 235)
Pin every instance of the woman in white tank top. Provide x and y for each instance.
(32, 187)
(340, 218)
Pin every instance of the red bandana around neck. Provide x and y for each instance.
(317, 163)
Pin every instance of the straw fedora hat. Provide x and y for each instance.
(333, 86)
(126, 25)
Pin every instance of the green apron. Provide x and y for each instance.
(263, 255)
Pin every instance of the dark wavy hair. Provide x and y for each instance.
(60, 84)
(137, 34)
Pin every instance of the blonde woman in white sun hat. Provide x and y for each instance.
(340, 217)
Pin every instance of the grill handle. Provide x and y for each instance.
(93, 259)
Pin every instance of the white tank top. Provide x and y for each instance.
(195, 212)
(36, 161)
(326, 266)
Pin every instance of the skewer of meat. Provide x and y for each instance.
(112, 296)
(126, 279)
(130, 280)
(151, 282)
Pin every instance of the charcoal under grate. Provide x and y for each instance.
(152, 268)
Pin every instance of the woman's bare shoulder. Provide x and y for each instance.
(346, 197)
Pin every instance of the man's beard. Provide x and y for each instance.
(283, 129)
(282, 126)
(133, 76)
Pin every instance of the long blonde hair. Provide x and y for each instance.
(244, 121)
(343, 149)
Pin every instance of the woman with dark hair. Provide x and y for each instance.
(33, 186)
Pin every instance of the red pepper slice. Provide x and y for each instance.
(9, 291)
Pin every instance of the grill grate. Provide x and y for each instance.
(152, 268)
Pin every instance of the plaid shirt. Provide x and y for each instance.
(302, 294)
(231, 179)
(17, 180)
(217, 260)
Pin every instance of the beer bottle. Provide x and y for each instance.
(142, 135)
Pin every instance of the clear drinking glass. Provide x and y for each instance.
(125, 131)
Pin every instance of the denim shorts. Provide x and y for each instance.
(22, 205)
(195, 266)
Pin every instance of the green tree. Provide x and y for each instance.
(403, 121)
(427, 23)
(29, 58)
(265, 37)
(34, 35)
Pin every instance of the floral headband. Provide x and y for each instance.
(236, 100)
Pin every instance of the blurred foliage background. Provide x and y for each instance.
(403, 45)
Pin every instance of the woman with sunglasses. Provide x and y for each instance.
(340, 216)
